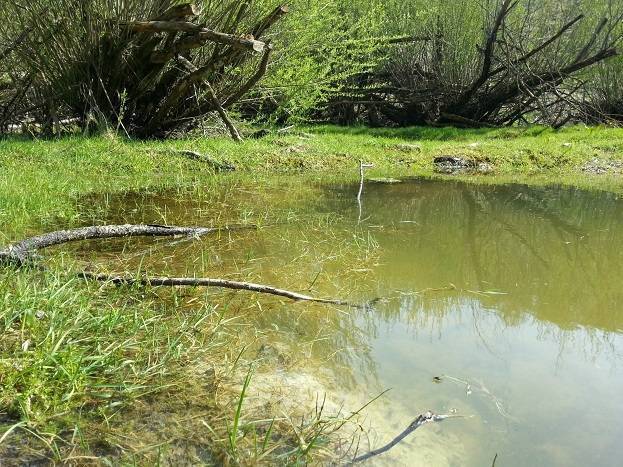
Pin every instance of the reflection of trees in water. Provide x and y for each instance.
(556, 252)
(429, 314)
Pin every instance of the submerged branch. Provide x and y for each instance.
(206, 282)
(421, 420)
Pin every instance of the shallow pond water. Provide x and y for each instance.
(500, 302)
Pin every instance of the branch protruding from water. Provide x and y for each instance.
(421, 420)
(362, 167)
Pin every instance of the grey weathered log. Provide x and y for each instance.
(199, 40)
(206, 282)
(22, 252)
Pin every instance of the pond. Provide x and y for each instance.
(500, 303)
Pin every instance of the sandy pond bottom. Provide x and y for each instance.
(509, 294)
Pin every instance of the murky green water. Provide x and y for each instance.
(511, 294)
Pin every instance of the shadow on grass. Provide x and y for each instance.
(433, 133)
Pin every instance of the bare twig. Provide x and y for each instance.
(362, 167)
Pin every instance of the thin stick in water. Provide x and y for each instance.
(421, 420)
(207, 282)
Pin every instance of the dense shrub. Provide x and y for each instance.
(96, 61)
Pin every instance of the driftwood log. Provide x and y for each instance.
(22, 252)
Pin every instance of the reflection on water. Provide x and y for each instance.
(511, 291)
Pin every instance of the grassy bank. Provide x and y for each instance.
(82, 366)
(41, 179)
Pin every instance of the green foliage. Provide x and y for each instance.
(318, 46)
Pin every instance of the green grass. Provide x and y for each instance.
(41, 180)
(77, 360)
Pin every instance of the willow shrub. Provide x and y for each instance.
(84, 60)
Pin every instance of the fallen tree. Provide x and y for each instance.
(23, 252)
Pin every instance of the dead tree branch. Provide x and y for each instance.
(233, 131)
(539, 48)
(271, 19)
(179, 12)
(202, 34)
(488, 53)
(206, 282)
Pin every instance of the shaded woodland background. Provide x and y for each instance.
(158, 68)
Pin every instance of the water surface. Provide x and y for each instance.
(509, 294)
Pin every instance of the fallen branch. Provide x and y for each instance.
(259, 74)
(415, 424)
(468, 122)
(213, 163)
(205, 282)
(21, 253)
